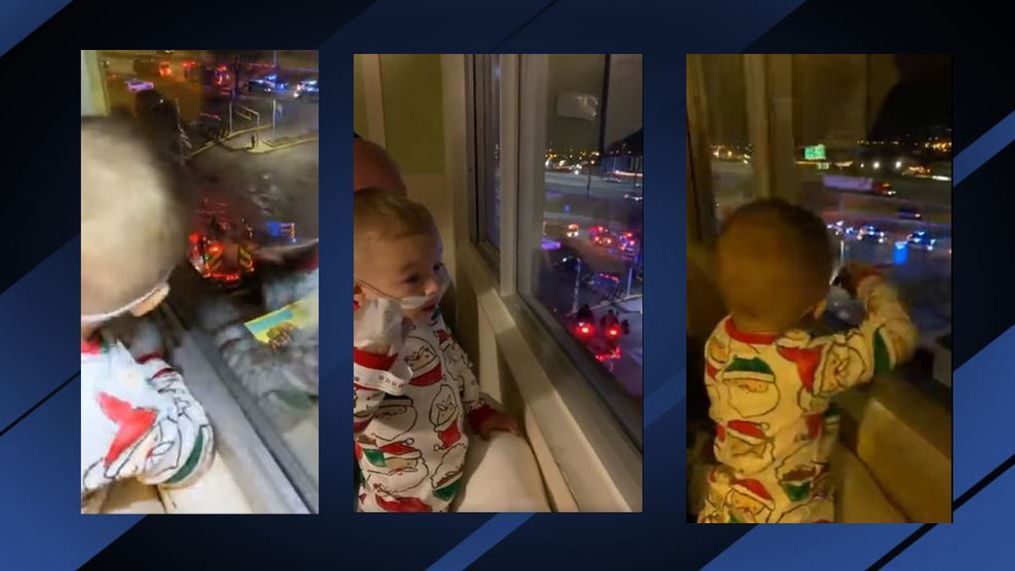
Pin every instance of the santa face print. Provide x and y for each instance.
(401, 468)
(424, 363)
(797, 472)
(718, 480)
(744, 444)
(394, 417)
(751, 386)
(444, 407)
(130, 463)
(718, 350)
(447, 477)
(712, 385)
(749, 502)
(841, 367)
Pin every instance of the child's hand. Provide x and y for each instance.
(853, 273)
(380, 327)
(498, 421)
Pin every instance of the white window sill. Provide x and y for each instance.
(601, 467)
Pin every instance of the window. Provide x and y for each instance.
(864, 141)
(245, 124)
(486, 78)
(580, 266)
(726, 141)
(873, 157)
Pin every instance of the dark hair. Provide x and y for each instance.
(774, 260)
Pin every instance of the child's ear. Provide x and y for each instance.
(357, 293)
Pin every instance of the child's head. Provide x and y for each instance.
(397, 250)
(133, 222)
(774, 262)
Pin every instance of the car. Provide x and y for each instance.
(568, 264)
(605, 239)
(602, 340)
(922, 240)
(164, 69)
(634, 196)
(308, 87)
(871, 233)
(210, 126)
(266, 84)
(260, 86)
(910, 213)
(838, 228)
(883, 189)
(628, 242)
(135, 85)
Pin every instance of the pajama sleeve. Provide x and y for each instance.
(185, 448)
(373, 377)
(476, 408)
(882, 341)
(139, 420)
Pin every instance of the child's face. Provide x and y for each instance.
(400, 268)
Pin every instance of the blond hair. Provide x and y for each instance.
(774, 262)
(387, 215)
(133, 216)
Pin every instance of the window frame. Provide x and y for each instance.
(479, 102)
(532, 121)
(560, 357)
(246, 438)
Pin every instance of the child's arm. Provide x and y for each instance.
(477, 410)
(886, 338)
(185, 447)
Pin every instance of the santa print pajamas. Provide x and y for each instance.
(138, 420)
(769, 397)
(409, 411)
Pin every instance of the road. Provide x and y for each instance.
(924, 278)
(587, 201)
(555, 289)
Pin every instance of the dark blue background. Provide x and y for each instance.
(40, 526)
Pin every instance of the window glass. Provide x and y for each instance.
(243, 126)
(587, 267)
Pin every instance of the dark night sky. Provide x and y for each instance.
(839, 97)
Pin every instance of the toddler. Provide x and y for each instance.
(412, 384)
(138, 420)
(769, 378)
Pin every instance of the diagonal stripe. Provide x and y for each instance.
(984, 148)
(480, 541)
(663, 399)
(18, 19)
(35, 311)
(8, 428)
(983, 404)
(38, 492)
(522, 26)
(980, 538)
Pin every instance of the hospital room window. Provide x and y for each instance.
(864, 141)
(726, 142)
(872, 151)
(580, 265)
(486, 78)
